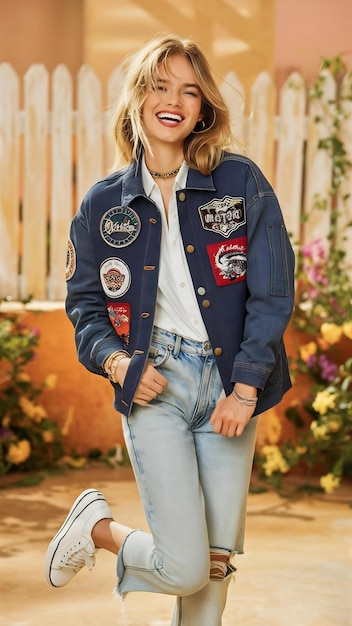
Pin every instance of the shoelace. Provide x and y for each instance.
(76, 557)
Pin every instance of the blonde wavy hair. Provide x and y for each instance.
(204, 147)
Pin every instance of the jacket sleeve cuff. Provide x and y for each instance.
(250, 374)
(105, 350)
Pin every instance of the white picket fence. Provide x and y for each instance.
(51, 152)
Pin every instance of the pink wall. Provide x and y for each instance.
(306, 31)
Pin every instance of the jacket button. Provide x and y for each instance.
(201, 291)
(190, 249)
(145, 314)
(217, 351)
(206, 304)
(182, 196)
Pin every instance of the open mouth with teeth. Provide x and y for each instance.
(170, 118)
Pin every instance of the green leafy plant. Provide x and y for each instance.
(323, 278)
(29, 439)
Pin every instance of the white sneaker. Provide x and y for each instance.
(73, 547)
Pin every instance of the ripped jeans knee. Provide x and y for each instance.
(220, 566)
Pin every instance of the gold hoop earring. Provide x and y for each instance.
(203, 125)
(200, 125)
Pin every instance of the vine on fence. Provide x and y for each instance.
(322, 419)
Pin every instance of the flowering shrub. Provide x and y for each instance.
(323, 417)
(323, 291)
(322, 441)
(28, 438)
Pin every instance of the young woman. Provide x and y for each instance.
(180, 287)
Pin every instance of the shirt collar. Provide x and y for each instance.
(149, 183)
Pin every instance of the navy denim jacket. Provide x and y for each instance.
(240, 259)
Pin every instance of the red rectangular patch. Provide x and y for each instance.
(228, 261)
(119, 314)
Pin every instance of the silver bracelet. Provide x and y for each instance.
(243, 400)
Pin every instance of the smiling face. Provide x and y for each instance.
(173, 108)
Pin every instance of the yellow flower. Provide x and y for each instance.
(50, 381)
(347, 329)
(274, 462)
(324, 400)
(26, 406)
(48, 436)
(301, 449)
(332, 333)
(269, 450)
(329, 482)
(39, 413)
(320, 311)
(23, 377)
(334, 426)
(307, 350)
(319, 432)
(77, 463)
(19, 452)
(35, 412)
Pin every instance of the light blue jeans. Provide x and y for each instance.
(193, 485)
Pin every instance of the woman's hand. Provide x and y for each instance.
(151, 384)
(230, 417)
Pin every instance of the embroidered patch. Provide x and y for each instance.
(115, 277)
(119, 315)
(228, 261)
(70, 260)
(223, 216)
(120, 226)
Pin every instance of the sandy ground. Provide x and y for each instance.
(296, 570)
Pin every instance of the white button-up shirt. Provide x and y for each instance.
(177, 310)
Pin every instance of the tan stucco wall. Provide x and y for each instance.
(41, 31)
(81, 401)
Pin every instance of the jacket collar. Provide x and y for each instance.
(196, 180)
(132, 186)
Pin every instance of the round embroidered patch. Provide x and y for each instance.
(120, 226)
(70, 260)
(115, 277)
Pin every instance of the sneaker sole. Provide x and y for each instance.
(80, 504)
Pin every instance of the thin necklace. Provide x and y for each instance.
(166, 175)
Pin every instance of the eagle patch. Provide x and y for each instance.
(228, 261)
